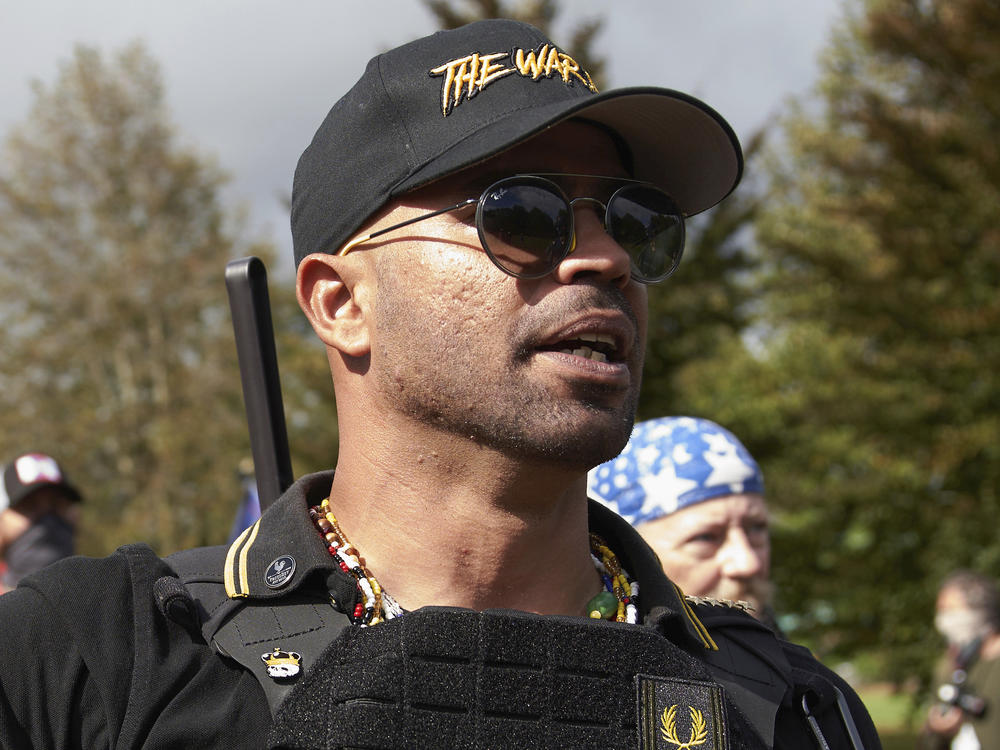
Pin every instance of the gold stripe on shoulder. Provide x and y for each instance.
(244, 582)
(699, 626)
(229, 574)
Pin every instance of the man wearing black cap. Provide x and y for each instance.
(38, 516)
(474, 227)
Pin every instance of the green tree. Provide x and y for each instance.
(872, 399)
(118, 350)
(700, 312)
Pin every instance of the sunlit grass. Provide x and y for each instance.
(892, 712)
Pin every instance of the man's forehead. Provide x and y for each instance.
(951, 598)
(726, 508)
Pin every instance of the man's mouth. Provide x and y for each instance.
(597, 347)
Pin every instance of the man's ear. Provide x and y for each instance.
(329, 293)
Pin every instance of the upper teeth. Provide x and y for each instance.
(606, 342)
(601, 337)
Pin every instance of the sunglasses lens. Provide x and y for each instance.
(525, 225)
(647, 223)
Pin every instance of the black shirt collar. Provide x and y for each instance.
(283, 532)
(257, 563)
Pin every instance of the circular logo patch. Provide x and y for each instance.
(280, 572)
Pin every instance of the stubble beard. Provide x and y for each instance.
(512, 417)
(759, 591)
(508, 411)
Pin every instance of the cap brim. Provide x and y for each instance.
(27, 490)
(677, 142)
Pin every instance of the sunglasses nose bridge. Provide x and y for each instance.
(585, 199)
(602, 215)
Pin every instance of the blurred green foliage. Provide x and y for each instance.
(118, 355)
(865, 381)
(118, 347)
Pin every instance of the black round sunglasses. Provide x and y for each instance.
(526, 225)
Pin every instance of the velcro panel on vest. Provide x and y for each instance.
(453, 678)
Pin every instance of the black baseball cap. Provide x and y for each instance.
(455, 98)
(30, 472)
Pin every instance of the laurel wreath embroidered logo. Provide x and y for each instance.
(668, 728)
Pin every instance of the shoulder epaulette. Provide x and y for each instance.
(711, 601)
(268, 638)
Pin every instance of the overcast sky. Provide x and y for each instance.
(248, 81)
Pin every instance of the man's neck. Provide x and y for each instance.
(469, 529)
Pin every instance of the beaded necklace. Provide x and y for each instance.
(620, 596)
(617, 602)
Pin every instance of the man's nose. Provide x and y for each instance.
(596, 255)
(739, 558)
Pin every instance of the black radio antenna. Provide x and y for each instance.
(246, 282)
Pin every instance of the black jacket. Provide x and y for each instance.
(135, 651)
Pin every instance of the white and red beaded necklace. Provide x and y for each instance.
(618, 601)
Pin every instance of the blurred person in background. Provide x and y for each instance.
(248, 509)
(39, 510)
(696, 495)
(967, 714)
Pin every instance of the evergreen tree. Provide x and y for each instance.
(874, 406)
(700, 312)
(118, 349)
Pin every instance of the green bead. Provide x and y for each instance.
(604, 603)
